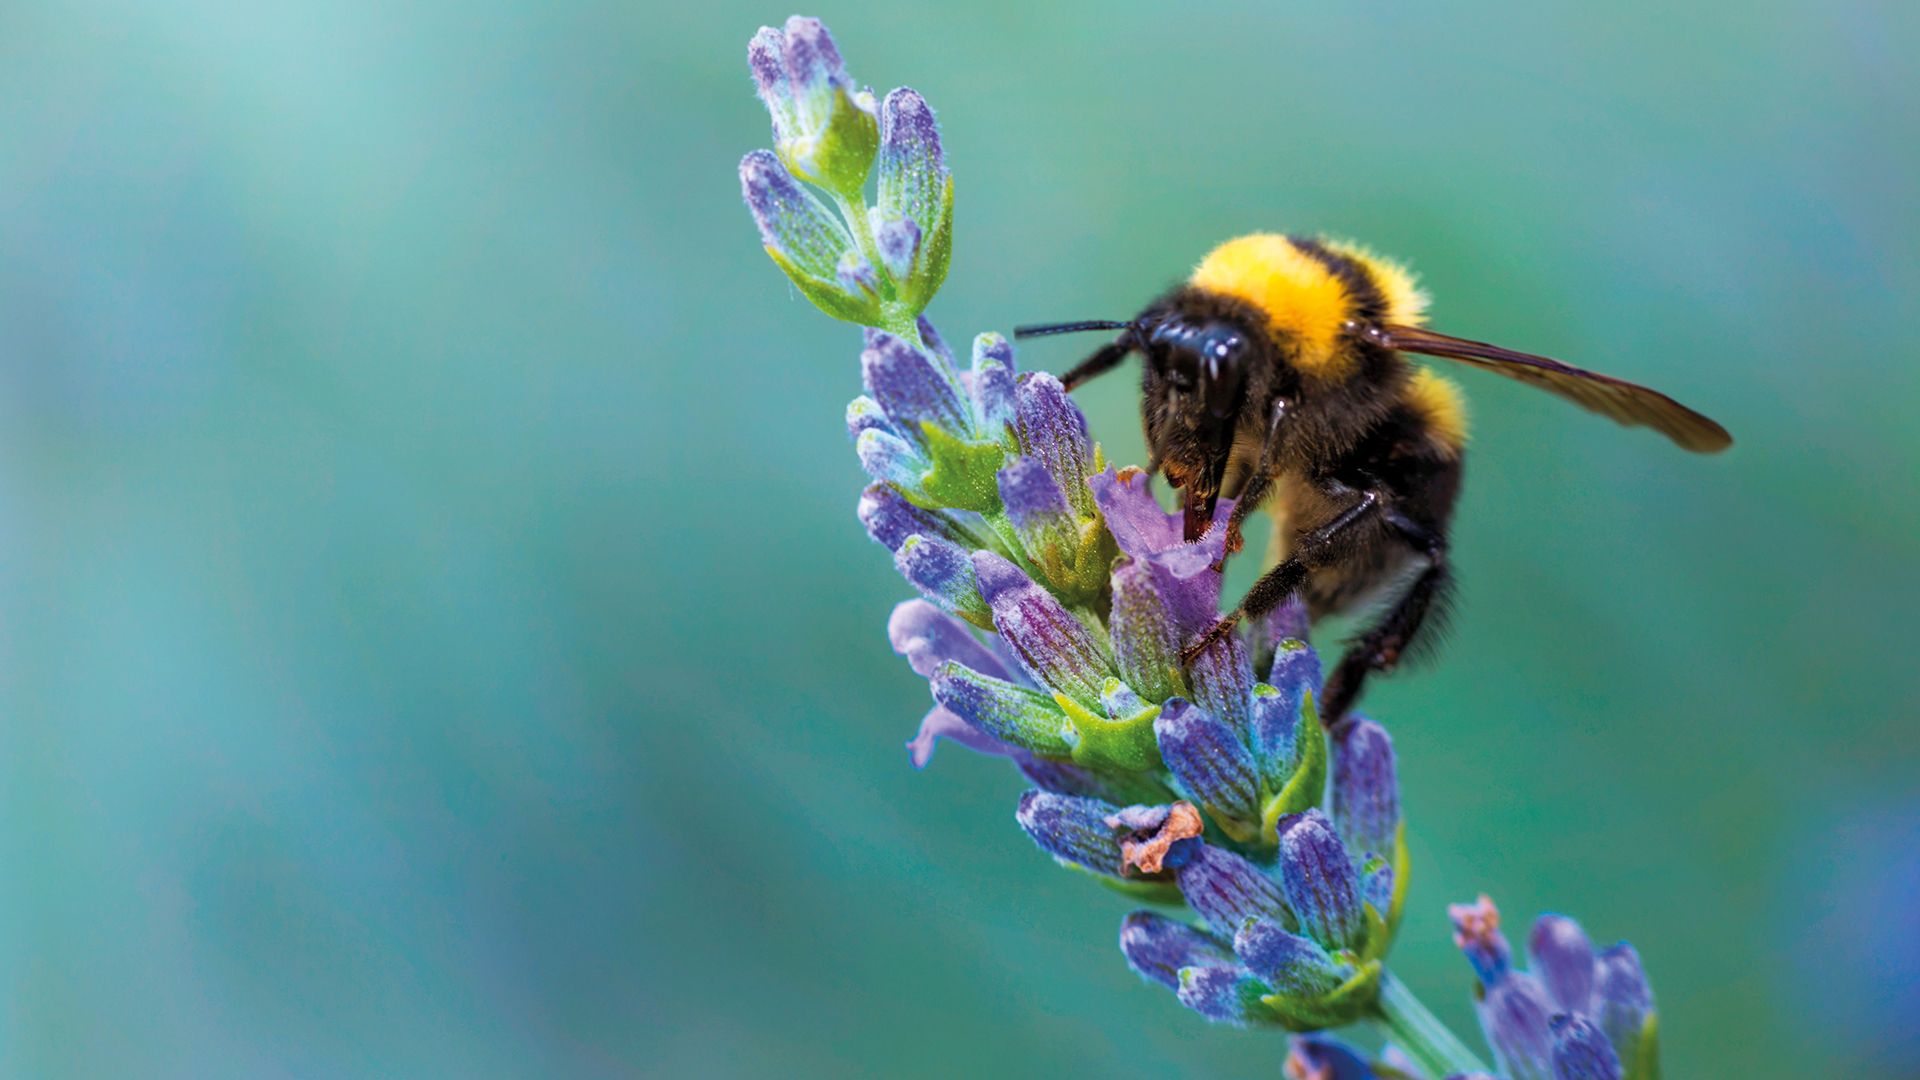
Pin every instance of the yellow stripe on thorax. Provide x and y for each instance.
(1300, 298)
(1303, 300)
(1440, 403)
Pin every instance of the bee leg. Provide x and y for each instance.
(1257, 485)
(1398, 632)
(1285, 579)
(1099, 363)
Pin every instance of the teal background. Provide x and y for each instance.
(435, 639)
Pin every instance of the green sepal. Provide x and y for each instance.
(1402, 873)
(964, 475)
(839, 157)
(1121, 742)
(936, 251)
(1308, 784)
(1350, 1001)
(1644, 1063)
(828, 296)
(1019, 715)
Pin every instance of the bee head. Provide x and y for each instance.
(1195, 386)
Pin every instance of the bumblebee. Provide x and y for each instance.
(1278, 375)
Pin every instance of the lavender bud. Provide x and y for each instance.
(898, 240)
(1228, 994)
(890, 519)
(1366, 796)
(1157, 947)
(1317, 879)
(1211, 764)
(825, 130)
(1054, 647)
(993, 386)
(1291, 964)
(1072, 830)
(1623, 998)
(1146, 647)
(1476, 931)
(1581, 1051)
(1005, 710)
(1051, 428)
(913, 389)
(800, 233)
(916, 190)
(856, 277)
(1041, 519)
(891, 459)
(944, 574)
(1514, 1015)
(864, 414)
(1560, 954)
(1227, 890)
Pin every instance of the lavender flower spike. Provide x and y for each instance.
(1057, 597)
(1575, 1016)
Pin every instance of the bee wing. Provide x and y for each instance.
(1625, 402)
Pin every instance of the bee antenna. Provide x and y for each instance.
(1045, 329)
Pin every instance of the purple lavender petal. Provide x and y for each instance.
(812, 60)
(1274, 734)
(1376, 885)
(1320, 1058)
(855, 274)
(890, 519)
(1227, 890)
(1053, 646)
(1157, 947)
(1476, 931)
(889, 458)
(1071, 829)
(1562, 957)
(864, 414)
(1009, 712)
(898, 239)
(1622, 997)
(1209, 760)
(1146, 647)
(993, 386)
(1037, 509)
(912, 388)
(792, 222)
(1289, 963)
(1317, 879)
(1050, 427)
(1227, 994)
(1222, 679)
(765, 59)
(929, 637)
(1514, 1015)
(943, 573)
(911, 167)
(1366, 796)
(941, 724)
(1581, 1051)
(1182, 572)
(934, 342)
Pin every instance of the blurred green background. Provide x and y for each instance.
(435, 638)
